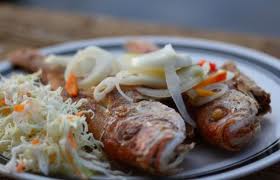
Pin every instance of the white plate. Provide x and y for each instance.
(205, 161)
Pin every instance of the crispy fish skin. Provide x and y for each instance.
(228, 122)
(231, 121)
(244, 84)
(144, 134)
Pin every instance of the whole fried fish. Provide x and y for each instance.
(231, 121)
(144, 134)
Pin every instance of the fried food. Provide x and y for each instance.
(231, 121)
(144, 134)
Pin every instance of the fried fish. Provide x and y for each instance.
(144, 134)
(231, 121)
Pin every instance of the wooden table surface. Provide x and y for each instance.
(23, 27)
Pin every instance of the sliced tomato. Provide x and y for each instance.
(213, 67)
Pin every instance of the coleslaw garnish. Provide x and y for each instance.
(37, 135)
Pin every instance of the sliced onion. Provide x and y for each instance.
(164, 93)
(116, 67)
(90, 65)
(206, 68)
(140, 78)
(219, 89)
(103, 88)
(230, 76)
(155, 93)
(129, 99)
(173, 84)
(189, 77)
(106, 86)
(58, 60)
(161, 58)
(125, 60)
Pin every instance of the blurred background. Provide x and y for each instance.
(39, 23)
(261, 17)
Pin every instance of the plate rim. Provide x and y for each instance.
(211, 44)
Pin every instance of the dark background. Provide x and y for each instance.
(261, 17)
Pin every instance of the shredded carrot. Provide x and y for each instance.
(29, 103)
(35, 141)
(213, 66)
(69, 157)
(71, 140)
(71, 162)
(18, 107)
(71, 117)
(80, 113)
(52, 157)
(214, 78)
(33, 131)
(20, 167)
(2, 102)
(44, 133)
(6, 111)
(204, 92)
(71, 85)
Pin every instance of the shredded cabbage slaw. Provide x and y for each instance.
(42, 133)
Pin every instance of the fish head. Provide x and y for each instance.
(230, 121)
